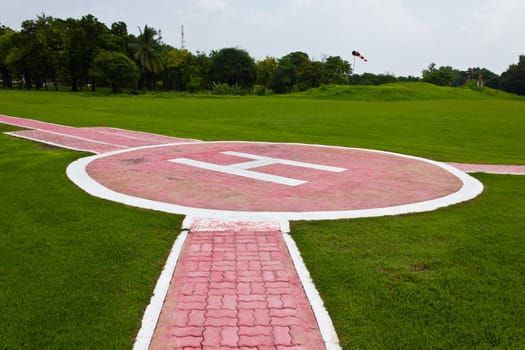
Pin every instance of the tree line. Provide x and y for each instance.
(84, 53)
(512, 80)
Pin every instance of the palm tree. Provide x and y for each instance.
(146, 55)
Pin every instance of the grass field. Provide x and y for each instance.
(76, 272)
(465, 126)
(449, 279)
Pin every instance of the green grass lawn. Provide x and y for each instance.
(76, 272)
(471, 127)
(449, 279)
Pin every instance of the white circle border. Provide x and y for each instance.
(77, 173)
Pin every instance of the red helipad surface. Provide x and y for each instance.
(365, 180)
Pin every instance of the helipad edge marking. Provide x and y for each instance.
(324, 322)
(152, 313)
(14, 134)
(77, 173)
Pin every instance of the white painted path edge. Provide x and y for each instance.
(153, 310)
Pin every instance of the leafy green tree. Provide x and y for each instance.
(115, 69)
(75, 58)
(513, 79)
(266, 69)
(234, 67)
(303, 70)
(316, 73)
(19, 59)
(177, 68)
(200, 67)
(120, 40)
(147, 48)
(42, 44)
(6, 43)
(298, 59)
(336, 71)
(376, 79)
(285, 76)
(409, 78)
(443, 76)
(83, 39)
(97, 35)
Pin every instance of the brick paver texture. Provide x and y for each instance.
(236, 290)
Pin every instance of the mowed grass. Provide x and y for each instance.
(464, 129)
(77, 272)
(449, 279)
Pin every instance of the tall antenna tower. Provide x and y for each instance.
(182, 43)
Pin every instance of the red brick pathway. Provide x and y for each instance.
(235, 287)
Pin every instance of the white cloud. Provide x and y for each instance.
(212, 5)
(494, 33)
(497, 20)
(301, 3)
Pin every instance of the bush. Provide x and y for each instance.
(261, 90)
(227, 89)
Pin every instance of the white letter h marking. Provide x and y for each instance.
(241, 169)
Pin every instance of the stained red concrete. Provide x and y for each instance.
(96, 139)
(372, 179)
(67, 141)
(236, 288)
(490, 168)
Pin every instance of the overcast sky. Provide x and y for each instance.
(401, 37)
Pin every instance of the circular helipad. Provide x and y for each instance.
(292, 181)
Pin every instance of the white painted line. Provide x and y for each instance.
(23, 122)
(152, 313)
(233, 170)
(13, 133)
(229, 225)
(186, 223)
(81, 138)
(326, 327)
(494, 172)
(271, 160)
(253, 163)
(139, 136)
(240, 169)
